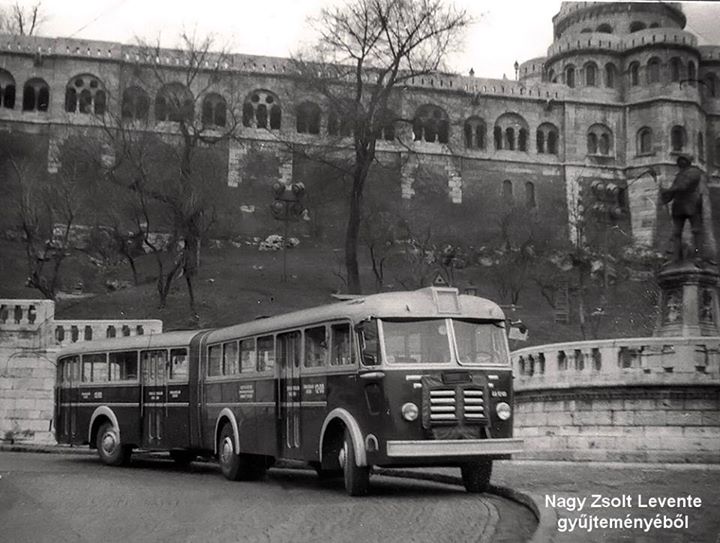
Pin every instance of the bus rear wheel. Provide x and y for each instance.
(476, 475)
(357, 478)
(238, 466)
(110, 449)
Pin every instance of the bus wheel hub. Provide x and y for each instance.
(342, 455)
(109, 443)
(227, 450)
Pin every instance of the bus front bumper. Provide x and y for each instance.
(453, 448)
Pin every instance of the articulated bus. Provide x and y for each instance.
(398, 379)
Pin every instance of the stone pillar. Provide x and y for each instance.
(689, 303)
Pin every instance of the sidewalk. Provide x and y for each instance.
(546, 487)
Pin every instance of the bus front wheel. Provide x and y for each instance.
(476, 475)
(111, 451)
(357, 478)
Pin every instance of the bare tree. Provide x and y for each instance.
(21, 20)
(173, 177)
(368, 50)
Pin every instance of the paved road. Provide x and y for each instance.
(59, 498)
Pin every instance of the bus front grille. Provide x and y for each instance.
(474, 404)
(443, 406)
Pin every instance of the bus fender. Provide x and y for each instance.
(354, 428)
(101, 411)
(228, 414)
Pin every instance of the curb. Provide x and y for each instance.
(547, 519)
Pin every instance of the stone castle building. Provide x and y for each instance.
(623, 88)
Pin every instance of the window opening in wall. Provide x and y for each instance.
(701, 147)
(139, 330)
(17, 314)
(605, 28)
(586, 31)
(136, 104)
(85, 94)
(716, 152)
(677, 138)
(653, 71)
(36, 95)
(644, 141)
(214, 110)
(522, 139)
(261, 109)
(590, 74)
(562, 361)
(540, 141)
(88, 333)
(691, 73)
(475, 133)
(174, 103)
(59, 334)
(599, 140)
(431, 124)
(110, 332)
(596, 359)
(610, 75)
(570, 76)
(308, 118)
(675, 69)
(711, 84)
(7, 90)
(510, 139)
(636, 26)
(634, 74)
(592, 145)
(654, 25)
(497, 136)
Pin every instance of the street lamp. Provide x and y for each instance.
(608, 209)
(287, 207)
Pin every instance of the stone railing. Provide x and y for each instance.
(641, 399)
(633, 361)
(66, 332)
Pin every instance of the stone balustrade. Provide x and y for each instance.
(66, 332)
(639, 399)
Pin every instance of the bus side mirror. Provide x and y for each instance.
(518, 331)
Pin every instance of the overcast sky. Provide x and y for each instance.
(504, 31)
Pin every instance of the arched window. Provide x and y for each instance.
(135, 104)
(636, 26)
(341, 118)
(85, 94)
(586, 31)
(644, 141)
(386, 123)
(551, 76)
(540, 141)
(546, 139)
(511, 132)
(599, 140)
(692, 75)
(7, 90)
(507, 191)
(610, 72)
(654, 25)
(530, 194)
(308, 118)
(175, 103)
(677, 138)
(261, 109)
(675, 69)
(634, 73)
(701, 147)
(474, 133)
(570, 76)
(653, 70)
(214, 110)
(431, 124)
(605, 28)
(497, 136)
(590, 74)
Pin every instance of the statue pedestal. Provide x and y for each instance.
(689, 304)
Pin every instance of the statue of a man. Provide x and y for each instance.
(690, 202)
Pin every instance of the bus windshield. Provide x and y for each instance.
(426, 341)
(480, 342)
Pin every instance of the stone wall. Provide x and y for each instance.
(30, 338)
(647, 399)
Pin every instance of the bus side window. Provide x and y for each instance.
(95, 368)
(123, 366)
(341, 353)
(266, 353)
(230, 358)
(369, 344)
(214, 361)
(178, 364)
(247, 355)
(316, 347)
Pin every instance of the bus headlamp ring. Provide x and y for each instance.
(410, 411)
(503, 410)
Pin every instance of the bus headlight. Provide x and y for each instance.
(503, 410)
(410, 411)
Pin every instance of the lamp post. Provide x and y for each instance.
(287, 207)
(608, 210)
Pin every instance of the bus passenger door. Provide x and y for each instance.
(67, 399)
(154, 389)
(288, 360)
